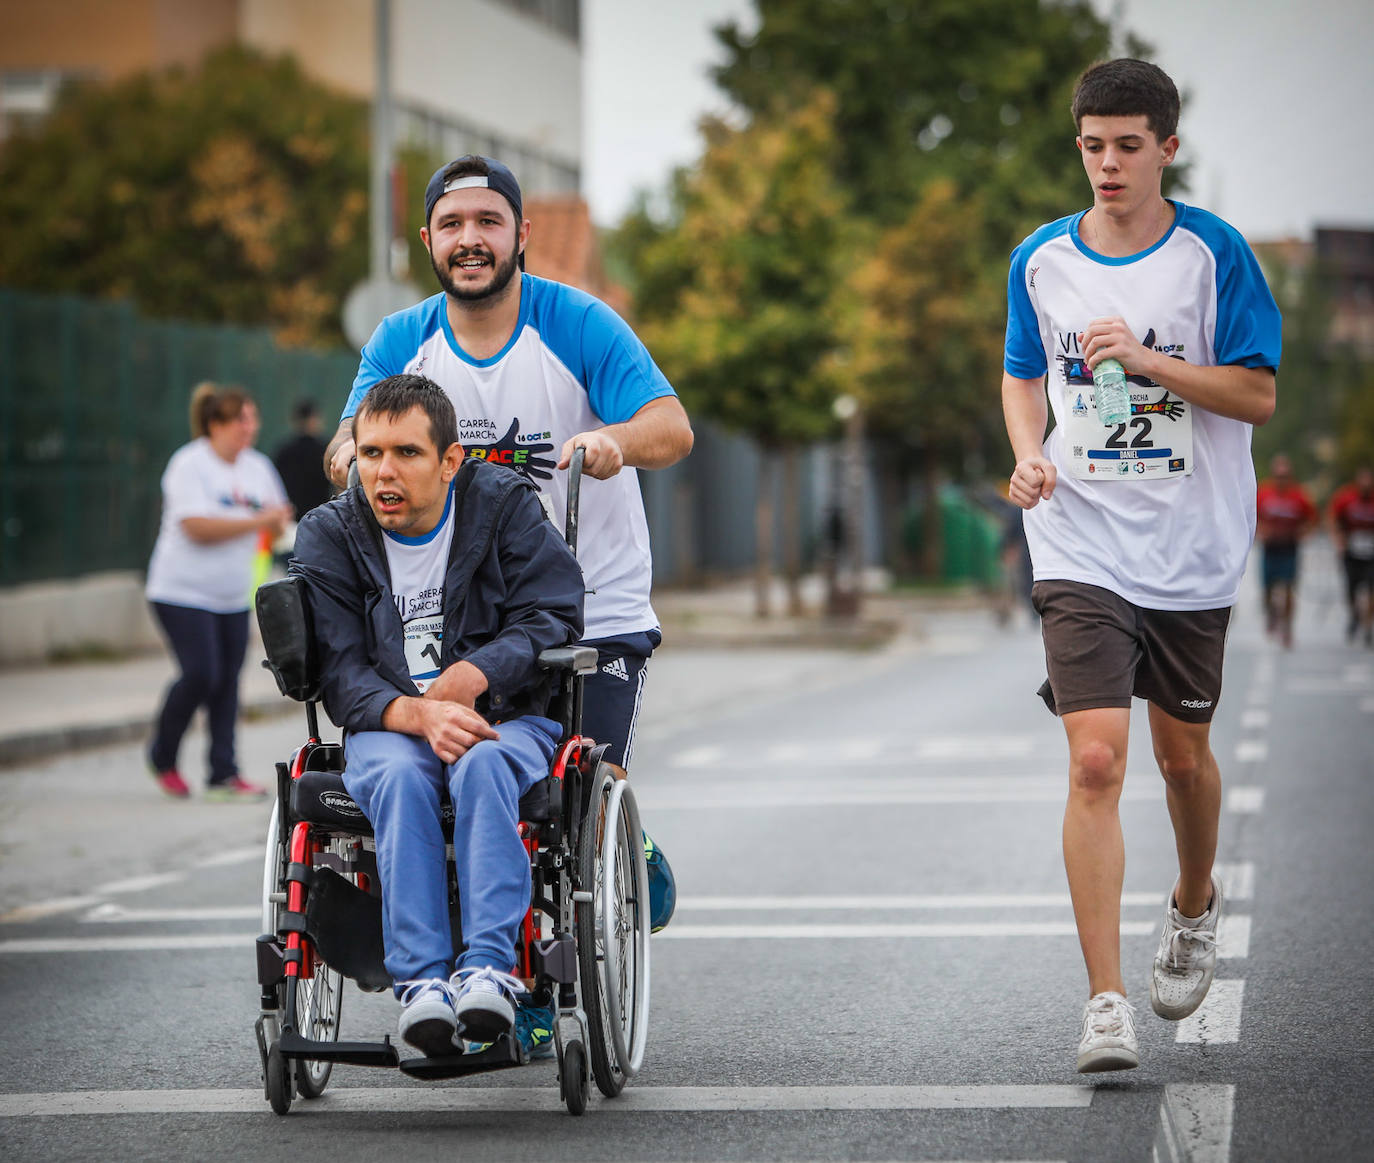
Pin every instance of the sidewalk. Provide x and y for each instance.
(52, 709)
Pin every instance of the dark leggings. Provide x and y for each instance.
(209, 649)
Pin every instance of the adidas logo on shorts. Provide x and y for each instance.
(616, 669)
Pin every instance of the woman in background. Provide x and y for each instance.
(218, 495)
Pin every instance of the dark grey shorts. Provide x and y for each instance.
(1100, 650)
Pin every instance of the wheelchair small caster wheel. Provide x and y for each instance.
(572, 1077)
(278, 1081)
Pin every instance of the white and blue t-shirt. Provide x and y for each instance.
(417, 566)
(1161, 509)
(572, 364)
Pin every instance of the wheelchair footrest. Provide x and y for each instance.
(292, 1045)
(500, 1054)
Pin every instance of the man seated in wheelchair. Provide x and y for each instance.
(433, 588)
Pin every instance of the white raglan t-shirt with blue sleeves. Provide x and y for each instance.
(1160, 510)
(571, 365)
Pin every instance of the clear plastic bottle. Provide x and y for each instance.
(1110, 394)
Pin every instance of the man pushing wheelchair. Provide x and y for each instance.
(433, 587)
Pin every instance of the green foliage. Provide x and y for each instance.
(925, 314)
(236, 193)
(952, 140)
(735, 298)
(1324, 421)
(973, 90)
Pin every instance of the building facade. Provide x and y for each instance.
(500, 77)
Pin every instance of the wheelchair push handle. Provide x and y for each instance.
(574, 495)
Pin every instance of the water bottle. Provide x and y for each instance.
(1110, 393)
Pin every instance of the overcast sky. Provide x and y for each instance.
(1280, 90)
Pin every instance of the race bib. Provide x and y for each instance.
(424, 639)
(1156, 442)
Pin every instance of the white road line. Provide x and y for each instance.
(1245, 800)
(110, 913)
(1195, 1124)
(932, 749)
(40, 909)
(516, 1099)
(877, 904)
(1252, 751)
(1254, 719)
(971, 747)
(232, 856)
(706, 756)
(1325, 686)
(141, 883)
(1233, 937)
(782, 754)
(1217, 1020)
(154, 942)
(164, 942)
(1237, 879)
(830, 932)
(867, 792)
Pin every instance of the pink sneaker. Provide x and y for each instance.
(172, 783)
(235, 788)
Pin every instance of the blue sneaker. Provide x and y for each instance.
(662, 886)
(534, 1028)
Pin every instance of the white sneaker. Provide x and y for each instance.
(1186, 960)
(1108, 1041)
(427, 1019)
(485, 1002)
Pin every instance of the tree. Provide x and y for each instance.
(236, 193)
(951, 116)
(924, 325)
(734, 297)
(974, 90)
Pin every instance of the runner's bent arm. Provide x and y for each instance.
(1239, 393)
(657, 435)
(1027, 413)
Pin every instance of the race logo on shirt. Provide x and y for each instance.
(516, 450)
(1074, 369)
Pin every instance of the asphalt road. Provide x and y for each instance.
(873, 956)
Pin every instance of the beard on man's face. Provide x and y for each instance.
(501, 274)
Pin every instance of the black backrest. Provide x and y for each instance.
(284, 619)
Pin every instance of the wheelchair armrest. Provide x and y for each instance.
(578, 659)
(284, 620)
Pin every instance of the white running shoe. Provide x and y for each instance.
(1108, 1041)
(485, 1002)
(1186, 960)
(427, 1019)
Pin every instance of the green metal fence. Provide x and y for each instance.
(93, 400)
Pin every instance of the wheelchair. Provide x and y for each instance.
(584, 946)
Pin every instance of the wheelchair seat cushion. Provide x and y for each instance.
(320, 797)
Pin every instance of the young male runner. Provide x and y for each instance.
(1139, 531)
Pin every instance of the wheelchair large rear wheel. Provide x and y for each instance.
(613, 932)
(319, 997)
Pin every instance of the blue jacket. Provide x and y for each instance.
(512, 590)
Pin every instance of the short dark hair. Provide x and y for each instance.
(304, 409)
(1128, 88)
(397, 395)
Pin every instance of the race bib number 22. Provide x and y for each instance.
(1156, 441)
